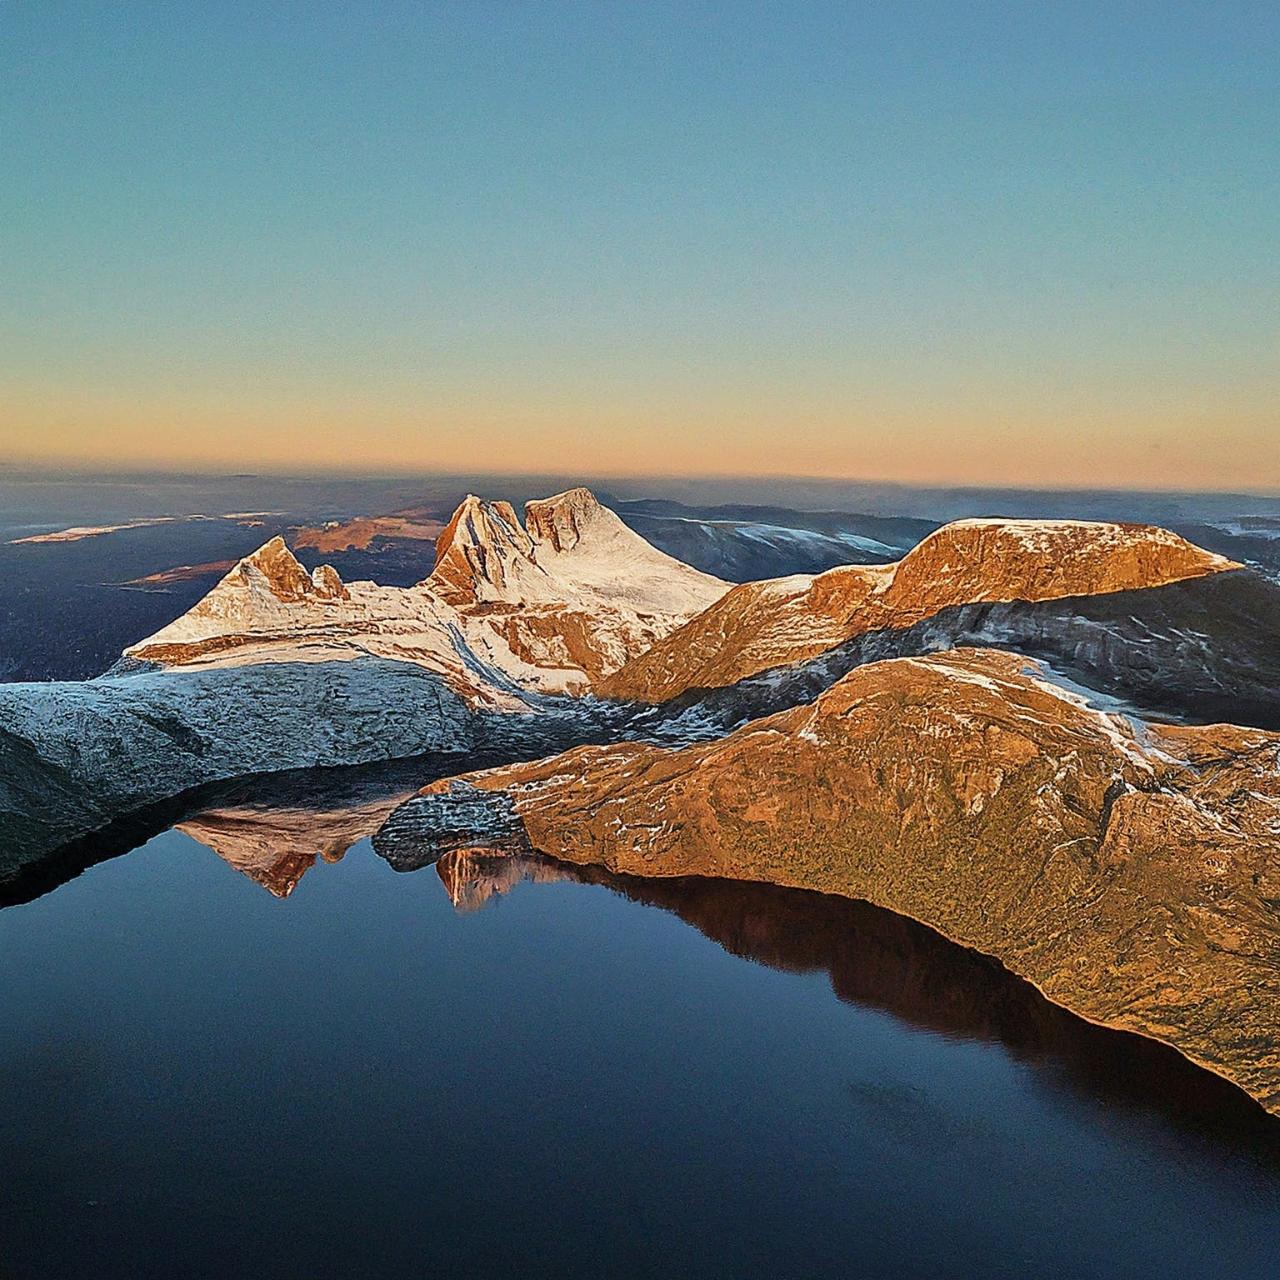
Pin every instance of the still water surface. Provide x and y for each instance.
(200, 1080)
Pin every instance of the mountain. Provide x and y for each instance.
(548, 608)
(268, 609)
(74, 757)
(745, 542)
(569, 550)
(566, 598)
(98, 595)
(1131, 871)
(761, 625)
(278, 668)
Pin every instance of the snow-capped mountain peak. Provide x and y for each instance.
(274, 568)
(594, 556)
(569, 551)
(560, 522)
(552, 607)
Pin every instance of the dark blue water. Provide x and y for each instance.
(197, 1079)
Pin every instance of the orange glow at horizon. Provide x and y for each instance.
(942, 247)
(1187, 448)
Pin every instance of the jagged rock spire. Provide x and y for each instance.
(274, 566)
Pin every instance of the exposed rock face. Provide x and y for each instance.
(756, 626)
(570, 551)
(279, 669)
(327, 585)
(474, 877)
(549, 610)
(561, 523)
(270, 572)
(288, 616)
(972, 560)
(1130, 871)
(1203, 649)
(485, 554)
(760, 625)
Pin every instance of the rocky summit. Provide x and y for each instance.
(551, 608)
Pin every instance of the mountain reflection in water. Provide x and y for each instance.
(275, 829)
(527, 1069)
(878, 959)
(272, 827)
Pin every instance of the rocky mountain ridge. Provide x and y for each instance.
(759, 625)
(1128, 869)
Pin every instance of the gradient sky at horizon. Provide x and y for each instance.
(928, 242)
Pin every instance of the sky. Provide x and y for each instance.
(1028, 243)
